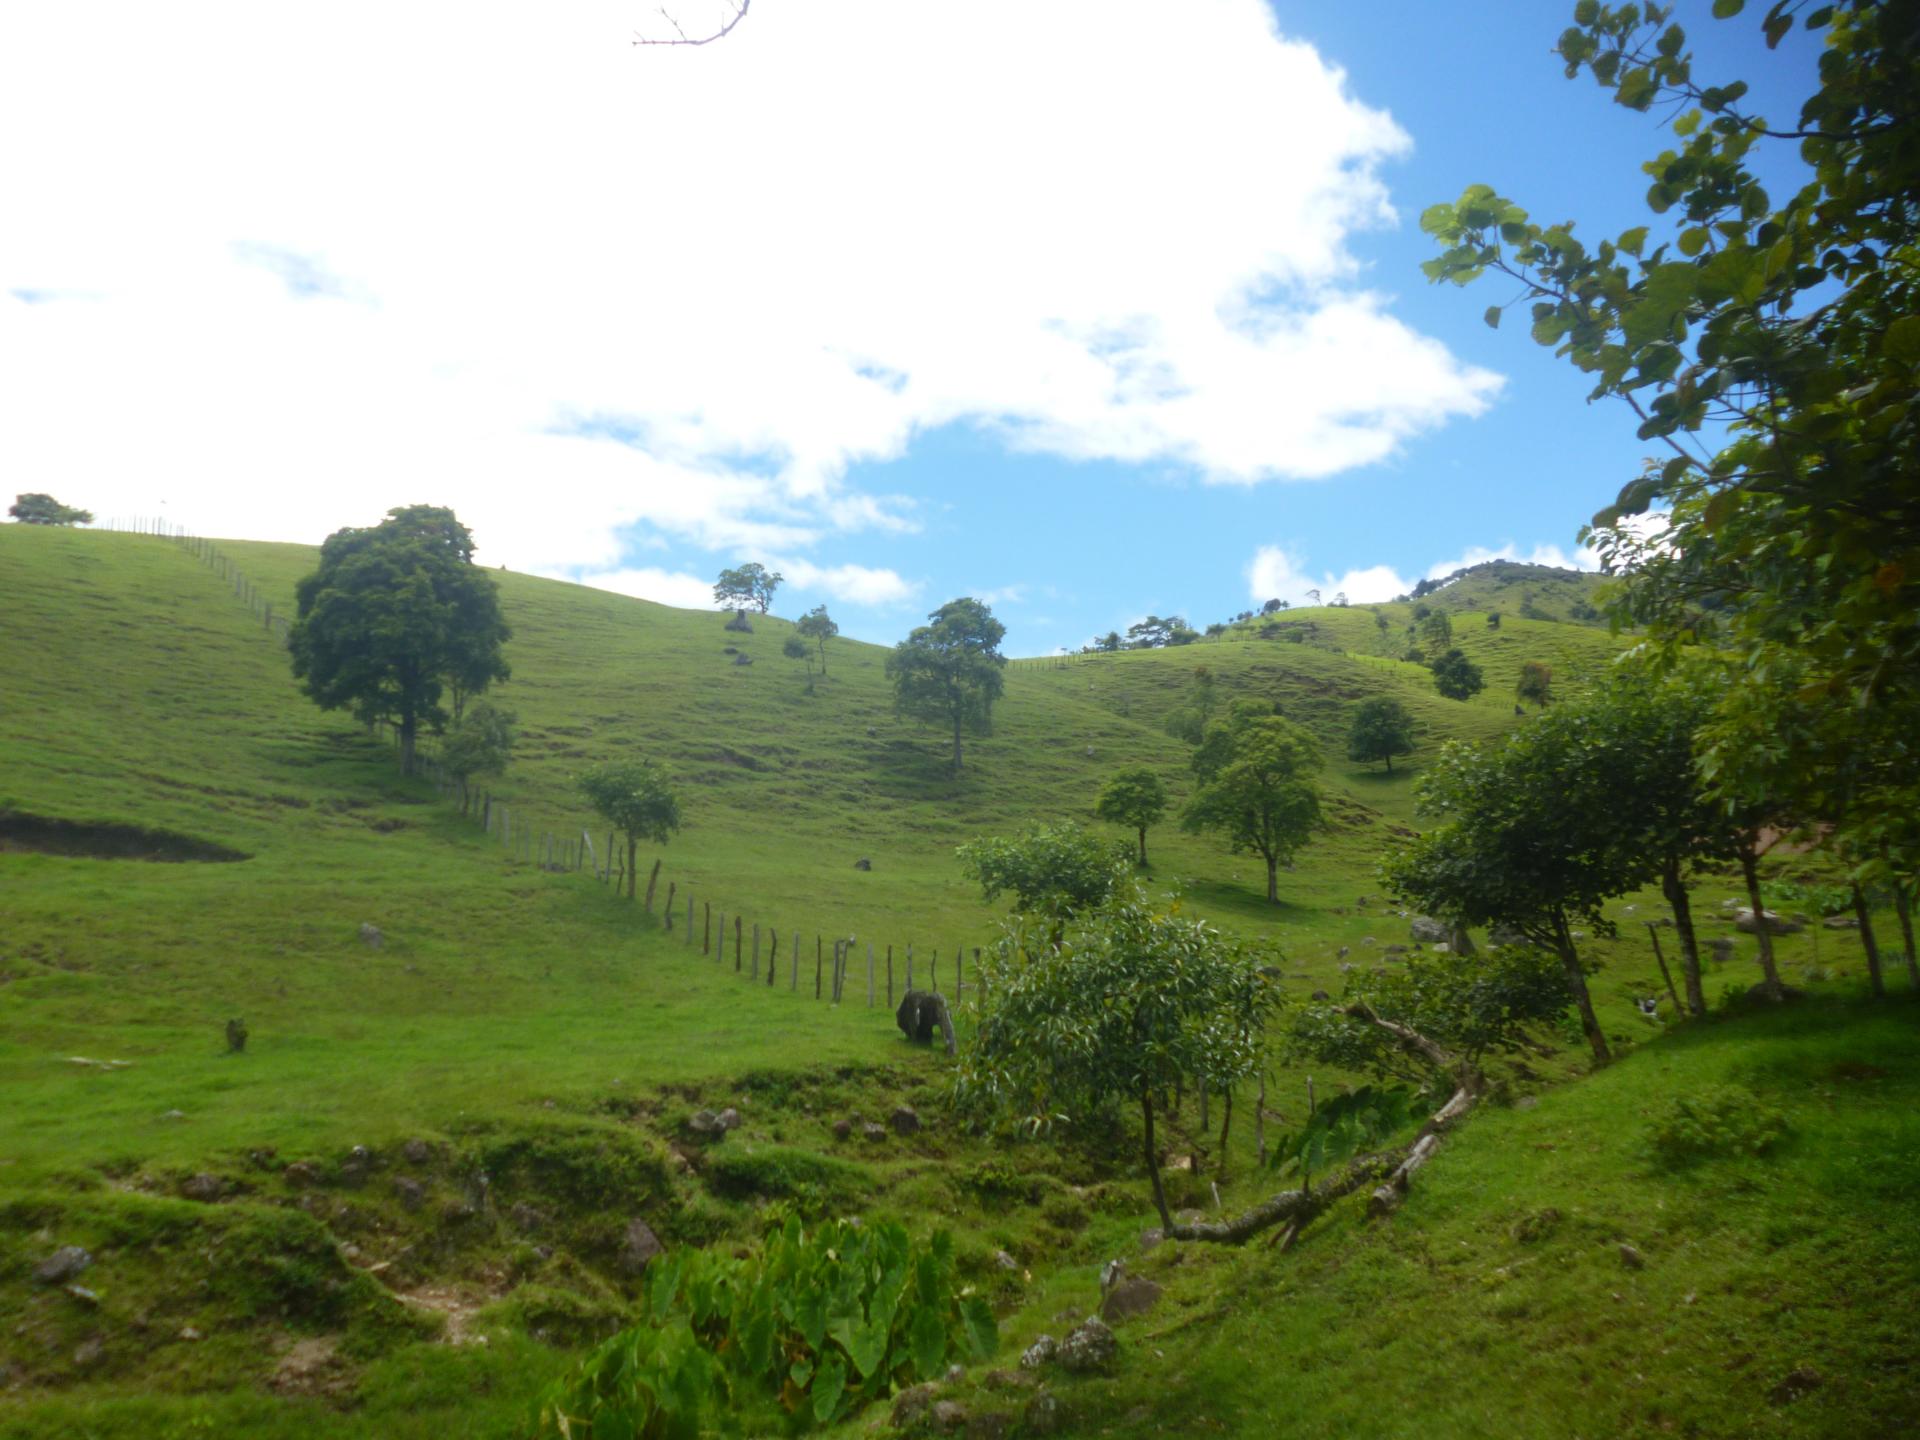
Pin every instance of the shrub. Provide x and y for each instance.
(1721, 1121)
(818, 1324)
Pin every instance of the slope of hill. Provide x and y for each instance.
(444, 1139)
(1535, 592)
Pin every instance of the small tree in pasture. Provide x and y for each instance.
(1382, 729)
(1129, 1003)
(636, 797)
(1135, 798)
(819, 627)
(1256, 787)
(1056, 870)
(479, 743)
(1536, 684)
(1457, 677)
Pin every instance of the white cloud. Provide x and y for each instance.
(856, 584)
(602, 298)
(688, 592)
(1581, 558)
(1274, 573)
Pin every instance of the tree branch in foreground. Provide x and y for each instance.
(680, 36)
(1298, 1207)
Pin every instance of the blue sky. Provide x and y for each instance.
(1123, 317)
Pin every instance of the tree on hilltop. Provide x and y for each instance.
(40, 509)
(747, 585)
(948, 672)
(396, 616)
(819, 627)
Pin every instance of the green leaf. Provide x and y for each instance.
(829, 1390)
(1437, 220)
(977, 1328)
(1634, 240)
(927, 1341)
(1693, 241)
(1492, 317)
(1902, 340)
(1727, 9)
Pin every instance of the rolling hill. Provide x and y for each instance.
(444, 1138)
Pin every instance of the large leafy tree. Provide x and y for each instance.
(397, 617)
(1133, 1002)
(1382, 729)
(1770, 347)
(747, 585)
(1135, 798)
(1256, 772)
(1529, 835)
(948, 671)
(637, 798)
(41, 509)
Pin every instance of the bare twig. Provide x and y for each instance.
(682, 38)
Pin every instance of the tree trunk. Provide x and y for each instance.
(653, 879)
(632, 864)
(1153, 1163)
(1903, 907)
(1226, 1127)
(408, 731)
(1389, 762)
(1143, 847)
(1770, 974)
(1273, 881)
(1875, 980)
(1682, 907)
(1583, 1001)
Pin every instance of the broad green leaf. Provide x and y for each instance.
(1902, 340)
(1727, 9)
(1634, 240)
(978, 1330)
(829, 1390)
(1492, 317)
(927, 1341)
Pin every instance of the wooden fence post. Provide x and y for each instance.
(609, 854)
(959, 974)
(652, 880)
(933, 967)
(773, 955)
(737, 928)
(816, 966)
(667, 909)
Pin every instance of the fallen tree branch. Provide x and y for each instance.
(1298, 1207)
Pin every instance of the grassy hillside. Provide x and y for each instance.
(519, 1058)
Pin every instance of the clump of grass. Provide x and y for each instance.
(1720, 1122)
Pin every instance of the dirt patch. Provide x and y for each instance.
(456, 1307)
(311, 1366)
(45, 835)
